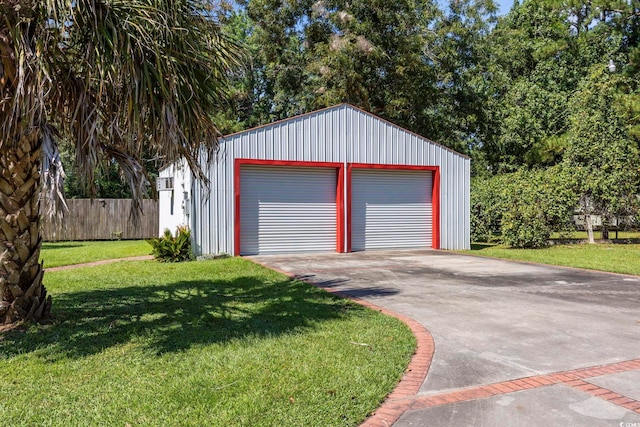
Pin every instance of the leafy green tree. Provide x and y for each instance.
(370, 54)
(538, 202)
(603, 157)
(117, 78)
(275, 36)
(543, 50)
(406, 61)
(250, 102)
(462, 62)
(488, 205)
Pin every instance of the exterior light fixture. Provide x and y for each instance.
(611, 66)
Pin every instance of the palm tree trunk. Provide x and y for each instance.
(23, 297)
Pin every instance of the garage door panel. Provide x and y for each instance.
(391, 209)
(287, 210)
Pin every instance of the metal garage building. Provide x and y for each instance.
(337, 179)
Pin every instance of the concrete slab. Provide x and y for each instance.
(492, 320)
(625, 383)
(495, 320)
(553, 406)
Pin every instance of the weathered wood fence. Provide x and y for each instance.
(103, 219)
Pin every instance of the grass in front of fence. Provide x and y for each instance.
(215, 343)
(68, 253)
(615, 258)
(597, 234)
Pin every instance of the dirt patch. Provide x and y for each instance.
(94, 263)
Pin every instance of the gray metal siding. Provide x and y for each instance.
(341, 134)
(287, 210)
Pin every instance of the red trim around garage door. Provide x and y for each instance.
(340, 240)
(435, 196)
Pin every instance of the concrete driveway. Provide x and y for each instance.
(515, 344)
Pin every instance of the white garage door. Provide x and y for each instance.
(390, 209)
(287, 210)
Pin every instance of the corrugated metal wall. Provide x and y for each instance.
(340, 134)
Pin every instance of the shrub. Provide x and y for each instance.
(487, 207)
(172, 249)
(524, 226)
(523, 207)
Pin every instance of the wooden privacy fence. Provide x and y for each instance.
(103, 219)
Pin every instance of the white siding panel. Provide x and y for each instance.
(390, 209)
(287, 210)
(174, 205)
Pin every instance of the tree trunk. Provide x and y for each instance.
(22, 294)
(589, 223)
(605, 227)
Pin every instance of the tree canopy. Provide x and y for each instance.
(527, 91)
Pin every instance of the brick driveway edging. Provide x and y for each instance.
(399, 400)
(415, 374)
(406, 398)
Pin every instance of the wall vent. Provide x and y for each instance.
(164, 184)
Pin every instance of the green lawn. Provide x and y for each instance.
(216, 343)
(616, 258)
(66, 253)
(582, 235)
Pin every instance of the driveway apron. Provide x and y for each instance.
(516, 344)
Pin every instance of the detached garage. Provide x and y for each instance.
(335, 180)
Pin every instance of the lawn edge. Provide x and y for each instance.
(414, 374)
(568, 267)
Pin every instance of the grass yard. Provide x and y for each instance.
(597, 234)
(66, 253)
(216, 343)
(616, 258)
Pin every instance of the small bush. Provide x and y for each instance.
(523, 207)
(172, 249)
(487, 207)
(524, 226)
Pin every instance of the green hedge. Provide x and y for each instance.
(521, 209)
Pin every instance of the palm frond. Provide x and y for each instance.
(118, 77)
(54, 206)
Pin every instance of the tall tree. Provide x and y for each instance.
(276, 29)
(406, 61)
(370, 54)
(251, 91)
(543, 50)
(603, 156)
(461, 60)
(116, 77)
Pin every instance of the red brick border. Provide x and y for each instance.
(397, 402)
(393, 407)
(576, 378)
(404, 397)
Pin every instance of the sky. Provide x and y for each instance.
(504, 6)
